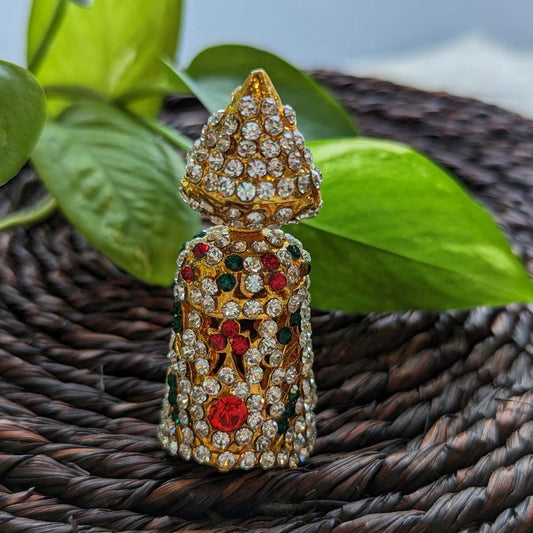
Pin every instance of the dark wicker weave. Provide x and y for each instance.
(425, 420)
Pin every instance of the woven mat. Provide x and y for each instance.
(425, 420)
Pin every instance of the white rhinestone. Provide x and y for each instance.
(273, 125)
(240, 390)
(243, 436)
(275, 237)
(275, 358)
(247, 106)
(287, 143)
(216, 160)
(208, 303)
(298, 139)
(202, 428)
(185, 451)
(181, 368)
(285, 187)
(226, 187)
(196, 412)
(180, 290)
(226, 375)
(210, 138)
(283, 458)
(267, 345)
(233, 168)
(198, 394)
(278, 376)
(273, 394)
(195, 320)
(246, 191)
(269, 429)
(223, 143)
(220, 439)
(202, 366)
(253, 283)
(188, 336)
(195, 173)
(251, 131)
(201, 348)
(230, 125)
(260, 246)
(267, 459)
(187, 435)
(274, 307)
(238, 246)
(195, 296)
(231, 310)
(210, 286)
(255, 402)
(254, 374)
(262, 444)
(285, 257)
(256, 168)
(283, 215)
(211, 386)
(265, 190)
(184, 385)
(295, 161)
(233, 213)
(275, 168)
(317, 176)
(291, 375)
(268, 328)
(201, 153)
(269, 107)
(304, 182)
(188, 352)
(252, 264)
(215, 118)
(214, 255)
(290, 114)
(202, 454)
(299, 425)
(252, 309)
(277, 409)
(255, 419)
(270, 148)
(246, 148)
(293, 274)
(253, 356)
(226, 460)
(308, 156)
(210, 181)
(248, 460)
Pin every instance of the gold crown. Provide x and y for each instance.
(250, 167)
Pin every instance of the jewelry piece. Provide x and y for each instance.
(240, 386)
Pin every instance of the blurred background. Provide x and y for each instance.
(477, 48)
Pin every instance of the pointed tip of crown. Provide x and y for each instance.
(259, 85)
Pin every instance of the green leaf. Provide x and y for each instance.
(396, 233)
(216, 72)
(117, 183)
(22, 115)
(110, 48)
(83, 3)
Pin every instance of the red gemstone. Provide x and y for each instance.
(200, 249)
(228, 413)
(277, 281)
(239, 345)
(217, 342)
(187, 273)
(230, 329)
(271, 261)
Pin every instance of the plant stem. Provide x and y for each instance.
(169, 134)
(41, 210)
(38, 57)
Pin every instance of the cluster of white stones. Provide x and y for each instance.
(253, 156)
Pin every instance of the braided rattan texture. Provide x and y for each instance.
(425, 420)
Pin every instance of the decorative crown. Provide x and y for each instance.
(250, 167)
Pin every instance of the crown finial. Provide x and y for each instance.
(250, 167)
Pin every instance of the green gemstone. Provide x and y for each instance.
(177, 322)
(171, 380)
(234, 262)
(296, 319)
(284, 335)
(293, 396)
(294, 251)
(173, 397)
(226, 282)
(283, 425)
(290, 409)
(200, 234)
(308, 267)
(175, 416)
(182, 247)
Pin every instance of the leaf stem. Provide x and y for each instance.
(37, 59)
(169, 134)
(41, 210)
